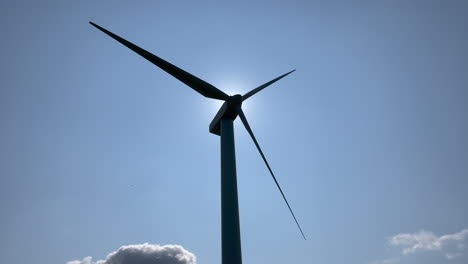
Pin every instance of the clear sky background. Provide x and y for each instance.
(99, 148)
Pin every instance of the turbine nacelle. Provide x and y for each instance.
(230, 109)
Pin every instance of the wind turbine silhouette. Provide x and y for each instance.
(222, 125)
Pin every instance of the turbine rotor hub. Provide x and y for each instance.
(235, 99)
(233, 105)
(230, 109)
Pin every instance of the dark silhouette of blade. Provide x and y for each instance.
(263, 86)
(194, 82)
(247, 126)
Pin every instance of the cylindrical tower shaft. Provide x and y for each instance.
(230, 230)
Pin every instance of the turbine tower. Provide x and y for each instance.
(223, 126)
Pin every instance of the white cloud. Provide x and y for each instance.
(412, 242)
(144, 254)
(450, 248)
(451, 244)
(86, 260)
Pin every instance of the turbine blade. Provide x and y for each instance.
(194, 82)
(249, 130)
(263, 86)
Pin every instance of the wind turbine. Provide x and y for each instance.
(222, 125)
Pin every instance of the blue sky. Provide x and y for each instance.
(101, 149)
